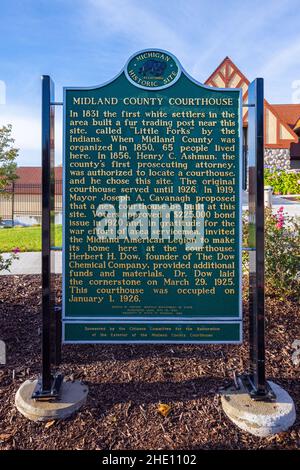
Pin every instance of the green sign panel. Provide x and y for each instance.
(152, 208)
(186, 332)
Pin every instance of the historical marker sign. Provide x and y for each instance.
(152, 204)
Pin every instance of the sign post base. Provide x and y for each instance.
(72, 396)
(260, 418)
(52, 393)
(266, 395)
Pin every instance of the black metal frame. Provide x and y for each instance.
(255, 382)
(49, 384)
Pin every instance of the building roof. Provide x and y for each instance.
(227, 75)
(289, 113)
(33, 174)
(297, 127)
(29, 180)
(278, 132)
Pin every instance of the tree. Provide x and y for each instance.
(8, 155)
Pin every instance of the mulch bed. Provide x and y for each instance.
(128, 382)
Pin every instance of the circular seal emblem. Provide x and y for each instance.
(153, 69)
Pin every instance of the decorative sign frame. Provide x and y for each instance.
(156, 77)
(49, 383)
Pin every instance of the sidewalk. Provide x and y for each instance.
(292, 208)
(31, 262)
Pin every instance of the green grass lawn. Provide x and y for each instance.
(25, 238)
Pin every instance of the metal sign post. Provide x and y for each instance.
(256, 381)
(49, 384)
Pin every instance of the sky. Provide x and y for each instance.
(87, 42)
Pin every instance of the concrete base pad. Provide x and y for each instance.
(257, 417)
(72, 396)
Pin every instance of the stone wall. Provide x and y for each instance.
(277, 158)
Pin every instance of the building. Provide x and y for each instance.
(282, 121)
(22, 201)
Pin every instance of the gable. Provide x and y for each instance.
(227, 75)
(278, 134)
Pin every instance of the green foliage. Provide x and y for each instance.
(6, 262)
(282, 253)
(8, 155)
(282, 182)
(26, 238)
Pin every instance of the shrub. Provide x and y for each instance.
(282, 182)
(5, 263)
(282, 253)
